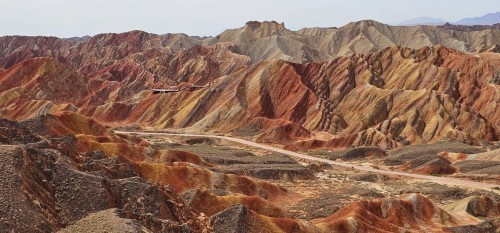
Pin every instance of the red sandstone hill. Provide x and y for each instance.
(374, 96)
(389, 98)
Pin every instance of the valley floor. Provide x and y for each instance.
(334, 185)
(353, 166)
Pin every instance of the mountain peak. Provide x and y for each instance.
(423, 21)
(364, 23)
(488, 19)
(265, 25)
(252, 30)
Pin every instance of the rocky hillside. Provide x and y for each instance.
(67, 173)
(254, 81)
(258, 40)
(393, 97)
(270, 40)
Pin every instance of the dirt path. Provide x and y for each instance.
(441, 180)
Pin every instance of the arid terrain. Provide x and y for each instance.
(362, 128)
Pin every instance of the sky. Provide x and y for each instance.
(69, 18)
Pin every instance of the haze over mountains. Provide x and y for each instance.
(419, 99)
(488, 19)
(271, 40)
(423, 21)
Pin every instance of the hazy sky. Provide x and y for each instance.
(67, 18)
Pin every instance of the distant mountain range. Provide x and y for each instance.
(423, 21)
(488, 19)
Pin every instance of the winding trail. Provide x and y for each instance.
(441, 180)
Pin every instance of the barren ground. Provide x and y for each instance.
(332, 187)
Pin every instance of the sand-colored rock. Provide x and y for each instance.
(477, 206)
(493, 155)
(104, 221)
(271, 40)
